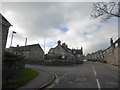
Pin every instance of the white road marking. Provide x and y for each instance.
(94, 70)
(55, 82)
(98, 83)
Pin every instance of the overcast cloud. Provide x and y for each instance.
(69, 22)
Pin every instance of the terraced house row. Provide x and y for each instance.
(110, 55)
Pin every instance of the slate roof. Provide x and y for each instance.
(4, 21)
(27, 48)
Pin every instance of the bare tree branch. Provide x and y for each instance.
(112, 6)
(106, 10)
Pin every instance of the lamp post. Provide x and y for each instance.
(13, 32)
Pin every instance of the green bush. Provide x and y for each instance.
(10, 55)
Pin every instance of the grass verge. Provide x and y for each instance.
(27, 74)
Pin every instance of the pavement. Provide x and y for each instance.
(43, 79)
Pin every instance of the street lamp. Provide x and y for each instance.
(13, 32)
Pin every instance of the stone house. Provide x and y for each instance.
(99, 55)
(62, 51)
(78, 54)
(77, 51)
(30, 52)
(110, 55)
(90, 57)
(4, 25)
(4, 28)
(11, 63)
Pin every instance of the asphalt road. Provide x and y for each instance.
(87, 75)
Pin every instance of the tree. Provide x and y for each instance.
(106, 10)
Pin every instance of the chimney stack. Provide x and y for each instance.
(25, 41)
(59, 43)
(82, 50)
(111, 41)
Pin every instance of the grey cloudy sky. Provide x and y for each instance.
(69, 22)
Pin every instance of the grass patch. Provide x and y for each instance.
(26, 75)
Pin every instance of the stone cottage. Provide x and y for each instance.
(110, 55)
(30, 52)
(78, 53)
(62, 51)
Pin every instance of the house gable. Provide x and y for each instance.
(4, 21)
